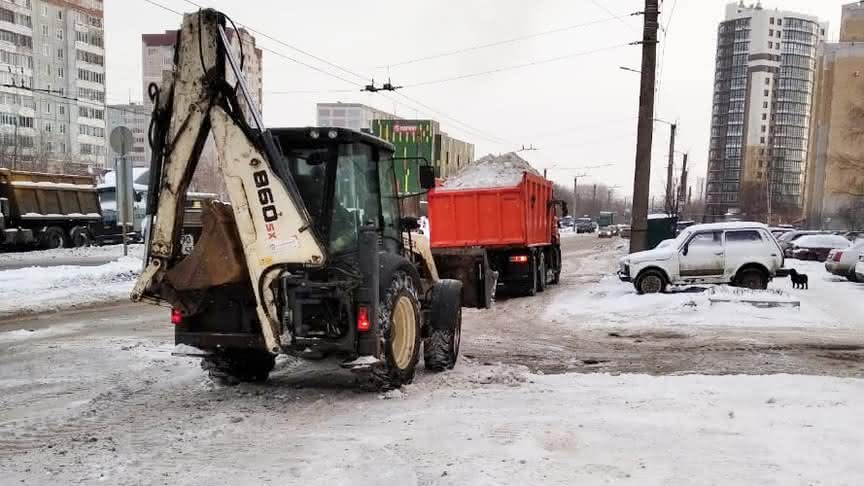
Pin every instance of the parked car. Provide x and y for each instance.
(842, 261)
(859, 269)
(787, 239)
(606, 232)
(779, 231)
(624, 231)
(584, 225)
(738, 253)
(817, 247)
(567, 222)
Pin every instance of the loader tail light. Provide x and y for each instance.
(519, 259)
(176, 317)
(363, 323)
(838, 255)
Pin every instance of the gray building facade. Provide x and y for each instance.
(136, 118)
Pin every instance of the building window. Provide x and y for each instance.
(764, 104)
(778, 46)
(764, 116)
(44, 10)
(767, 81)
(59, 34)
(45, 50)
(60, 71)
(763, 128)
(823, 32)
(60, 53)
(766, 92)
(770, 32)
(779, 21)
(59, 15)
(48, 127)
(770, 45)
(61, 108)
(771, 21)
(45, 31)
(779, 34)
(62, 127)
(761, 139)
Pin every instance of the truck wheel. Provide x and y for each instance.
(752, 279)
(400, 325)
(441, 347)
(52, 238)
(80, 237)
(531, 284)
(541, 273)
(650, 282)
(239, 366)
(556, 270)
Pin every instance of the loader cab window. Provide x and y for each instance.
(389, 198)
(309, 168)
(356, 201)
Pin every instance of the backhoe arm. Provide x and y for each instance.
(273, 224)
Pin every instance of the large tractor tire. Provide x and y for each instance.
(239, 366)
(400, 325)
(441, 346)
(52, 238)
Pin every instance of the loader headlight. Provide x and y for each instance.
(314, 134)
(332, 134)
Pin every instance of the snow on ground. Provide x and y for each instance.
(42, 289)
(43, 257)
(490, 171)
(830, 302)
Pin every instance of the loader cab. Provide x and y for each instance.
(347, 182)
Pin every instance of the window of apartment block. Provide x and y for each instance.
(62, 127)
(779, 21)
(60, 71)
(45, 50)
(779, 34)
(766, 92)
(59, 15)
(59, 34)
(764, 104)
(48, 127)
(44, 10)
(761, 139)
(764, 116)
(771, 21)
(45, 31)
(778, 46)
(767, 81)
(770, 32)
(770, 45)
(763, 128)
(60, 53)
(61, 108)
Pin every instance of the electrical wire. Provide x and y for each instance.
(663, 52)
(617, 17)
(495, 43)
(516, 66)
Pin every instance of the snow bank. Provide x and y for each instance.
(42, 256)
(490, 171)
(41, 289)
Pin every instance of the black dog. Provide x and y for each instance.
(799, 280)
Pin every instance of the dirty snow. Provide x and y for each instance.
(42, 289)
(490, 171)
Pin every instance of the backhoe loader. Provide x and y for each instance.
(311, 257)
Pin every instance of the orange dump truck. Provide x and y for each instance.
(496, 236)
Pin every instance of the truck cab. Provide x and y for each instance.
(743, 254)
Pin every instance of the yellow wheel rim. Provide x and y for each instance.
(403, 332)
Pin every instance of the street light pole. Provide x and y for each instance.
(642, 172)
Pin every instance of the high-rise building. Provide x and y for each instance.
(835, 175)
(350, 115)
(52, 85)
(136, 118)
(157, 54)
(763, 90)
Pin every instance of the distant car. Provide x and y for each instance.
(817, 247)
(584, 225)
(606, 232)
(737, 253)
(842, 261)
(787, 239)
(625, 231)
(566, 222)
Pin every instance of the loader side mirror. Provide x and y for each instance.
(427, 177)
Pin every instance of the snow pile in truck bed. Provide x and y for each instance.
(41, 289)
(490, 171)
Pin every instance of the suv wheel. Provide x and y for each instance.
(650, 282)
(752, 279)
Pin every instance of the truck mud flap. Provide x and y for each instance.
(471, 267)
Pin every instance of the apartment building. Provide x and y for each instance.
(52, 85)
(135, 117)
(763, 92)
(350, 115)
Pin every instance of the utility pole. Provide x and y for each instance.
(575, 194)
(642, 172)
(670, 168)
(682, 186)
(768, 190)
(594, 201)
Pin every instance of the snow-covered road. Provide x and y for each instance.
(94, 396)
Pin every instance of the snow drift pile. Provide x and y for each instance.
(490, 171)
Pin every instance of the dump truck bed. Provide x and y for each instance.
(492, 217)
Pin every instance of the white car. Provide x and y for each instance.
(842, 262)
(739, 253)
(859, 268)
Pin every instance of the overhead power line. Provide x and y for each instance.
(496, 43)
(516, 66)
(613, 14)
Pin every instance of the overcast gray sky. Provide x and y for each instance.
(580, 110)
